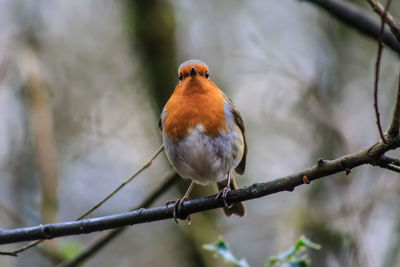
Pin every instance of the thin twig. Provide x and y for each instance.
(393, 168)
(257, 190)
(49, 254)
(389, 19)
(377, 70)
(9, 254)
(358, 19)
(108, 236)
(389, 166)
(388, 163)
(14, 215)
(145, 166)
(389, 160)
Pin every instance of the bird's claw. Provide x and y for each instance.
(222, 194)
(177, 206)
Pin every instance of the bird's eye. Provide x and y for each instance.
(180, 76)
(207, 74)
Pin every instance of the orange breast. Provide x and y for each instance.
(195, 101)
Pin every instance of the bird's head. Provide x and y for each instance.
(193, 68)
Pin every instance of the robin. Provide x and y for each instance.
(203, 134)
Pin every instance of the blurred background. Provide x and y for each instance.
(82, 84)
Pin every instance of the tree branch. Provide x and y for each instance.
(377, 71)
(389, 19)
(8, 254)
(124, 183)
(257, 190)
(106, 237)
(145, 166)
(359, 19)
(345, 12)
(389, 160)
(388, 163)
(392, 167)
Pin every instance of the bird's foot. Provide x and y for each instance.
(176, 209)
(222, 194)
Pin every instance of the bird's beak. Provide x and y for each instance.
(193, 72)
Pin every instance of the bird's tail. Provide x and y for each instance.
(237, 208)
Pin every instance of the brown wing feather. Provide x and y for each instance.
(160, 122)
(160, 125)
(239, 121)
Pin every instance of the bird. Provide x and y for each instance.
(203, 135)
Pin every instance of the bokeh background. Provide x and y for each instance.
(82, 84)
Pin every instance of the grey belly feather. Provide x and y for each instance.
(203, 158)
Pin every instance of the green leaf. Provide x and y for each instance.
(222, 250)
(272, 261)
(305, 242)
(294, 256)
(299, 263)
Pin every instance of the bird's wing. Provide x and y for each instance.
(160, 121)
(160, 125)
(239, 122)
